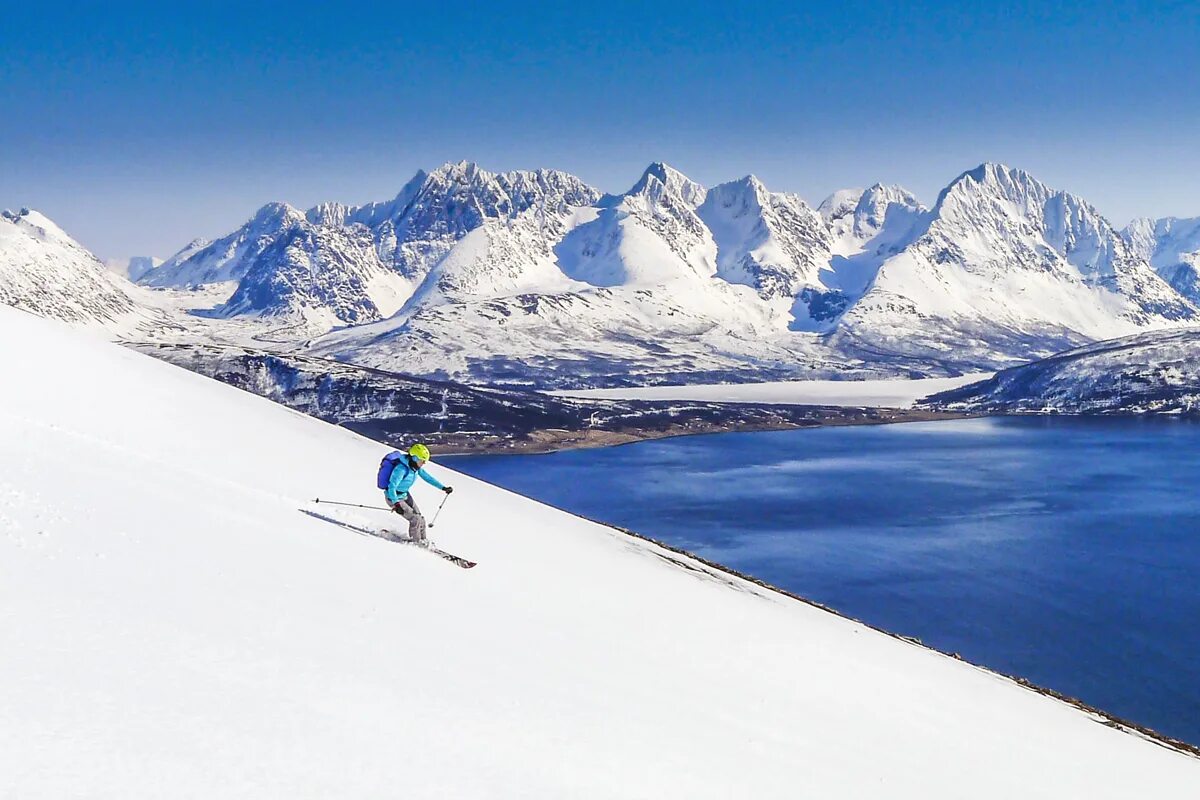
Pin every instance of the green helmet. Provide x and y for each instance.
(419, 451)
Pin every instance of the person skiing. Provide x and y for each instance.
(399, 490)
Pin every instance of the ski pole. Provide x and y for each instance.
(355, 505)
(439, 510)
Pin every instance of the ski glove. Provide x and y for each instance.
(447, 489)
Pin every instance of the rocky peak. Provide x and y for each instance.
(1001, 189)
(276, 215)
(660, 179)
(771, 241)
(1140, 236)
(1006, 205)
(36, 224)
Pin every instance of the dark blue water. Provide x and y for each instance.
(1063, 551)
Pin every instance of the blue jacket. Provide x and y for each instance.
(403, 477)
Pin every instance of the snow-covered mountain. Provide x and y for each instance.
(856, 219)
(534, 278)
(183, 622)
(1002, 269)
(324, 274)
(1005, 268)
(455, 199)
(337, 264)
(1149, 373)
(866, 228)
(648, 236)
(771, 241)
(1172, 246)
(228, 258)
(45, 271)
(631, 292)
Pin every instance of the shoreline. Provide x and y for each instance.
(553, 440)
(1099, 715)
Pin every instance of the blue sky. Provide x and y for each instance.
(140, 126)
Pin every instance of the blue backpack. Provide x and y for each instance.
(387, 467)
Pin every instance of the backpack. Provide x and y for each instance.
(387, 467)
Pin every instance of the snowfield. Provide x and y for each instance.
(175, 625)
(869, 393)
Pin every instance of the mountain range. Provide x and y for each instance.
(534, 278)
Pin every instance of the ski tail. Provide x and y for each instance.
(392, 536)
(430, 548)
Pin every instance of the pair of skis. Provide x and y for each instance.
(391, 536)
(428, 547)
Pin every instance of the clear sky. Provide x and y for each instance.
(138, 127)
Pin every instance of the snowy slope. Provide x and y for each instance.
(1172, 246)
(45, 271)
(176, 625)
(1149, 373)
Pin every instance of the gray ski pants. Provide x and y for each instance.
(407, 508)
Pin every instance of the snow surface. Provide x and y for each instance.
(175, 625)
(873, 393)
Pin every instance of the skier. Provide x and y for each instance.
(404, 474)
